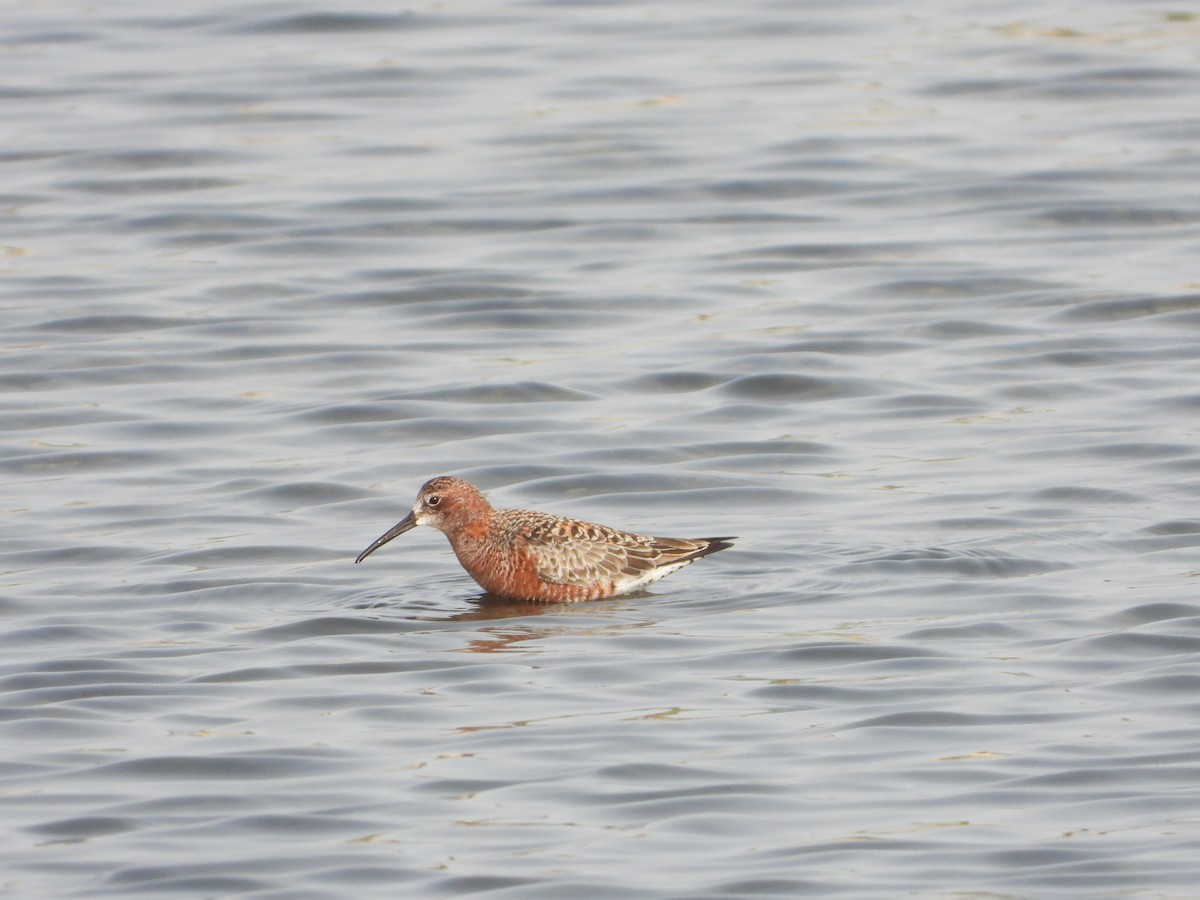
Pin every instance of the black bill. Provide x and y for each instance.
(406, 524)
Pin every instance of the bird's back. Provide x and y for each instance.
(570, 551)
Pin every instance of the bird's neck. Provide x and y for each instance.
(471, 532)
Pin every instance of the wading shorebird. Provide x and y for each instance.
(519, 554)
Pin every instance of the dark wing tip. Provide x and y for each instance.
(714, 545)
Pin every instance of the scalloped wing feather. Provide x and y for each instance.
(567, 551)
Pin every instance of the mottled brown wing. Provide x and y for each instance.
(571, 552)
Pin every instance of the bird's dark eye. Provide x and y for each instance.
(433, 501)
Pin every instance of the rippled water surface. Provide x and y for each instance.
(905, 296)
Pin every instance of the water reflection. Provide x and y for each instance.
(493, 640)
(488, 606)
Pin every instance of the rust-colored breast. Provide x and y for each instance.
(476, 531)
(518, 576)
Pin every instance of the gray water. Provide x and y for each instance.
(904, 295)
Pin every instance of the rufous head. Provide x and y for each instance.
(445, 503)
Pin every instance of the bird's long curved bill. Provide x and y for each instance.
(407, 523)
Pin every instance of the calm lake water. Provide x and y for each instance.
(905, 296)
